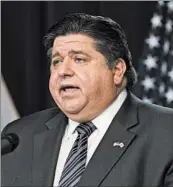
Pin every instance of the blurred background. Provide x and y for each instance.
(25, 68)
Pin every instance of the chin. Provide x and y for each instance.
(74, 113)
(72, 109)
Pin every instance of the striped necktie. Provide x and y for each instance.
(76, 160)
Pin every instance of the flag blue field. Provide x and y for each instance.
(155, 72)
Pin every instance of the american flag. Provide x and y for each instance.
(155, 72)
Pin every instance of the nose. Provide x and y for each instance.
(65, 69)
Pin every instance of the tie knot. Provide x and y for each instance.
(86, 128)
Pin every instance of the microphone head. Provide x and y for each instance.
(13, 140)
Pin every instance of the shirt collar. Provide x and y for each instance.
(102, 121)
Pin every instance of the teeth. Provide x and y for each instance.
(65, 88)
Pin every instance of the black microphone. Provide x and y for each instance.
(9, 142)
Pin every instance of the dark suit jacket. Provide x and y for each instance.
(145, 160)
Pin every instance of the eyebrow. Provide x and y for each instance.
(72, 52)
(56, 54)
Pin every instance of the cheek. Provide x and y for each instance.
(102, 84)
(53, 88)
(52, 83)
(93, 86)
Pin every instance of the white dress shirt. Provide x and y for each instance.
(102, 122)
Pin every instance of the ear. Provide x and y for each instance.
(119, 69)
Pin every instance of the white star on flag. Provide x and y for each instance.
(170, 74)
(161, 88)
(161, 3)
(153, 41)
(148, 83)
(150, 62)
(168, 26)
(164, 68)
(156, 21)
(170, 6)
(148, 100)
(166, 47)
(169, 95)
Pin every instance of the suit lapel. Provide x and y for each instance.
(106, 155)
(46, 149)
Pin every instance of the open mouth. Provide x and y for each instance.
(68, 88)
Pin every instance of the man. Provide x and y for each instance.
(129, 142)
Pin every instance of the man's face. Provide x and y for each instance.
(81, 83)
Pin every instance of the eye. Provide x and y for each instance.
(79, 59)
(55, 62)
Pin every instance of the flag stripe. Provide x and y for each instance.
(8, 109)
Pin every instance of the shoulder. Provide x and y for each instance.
(150, 109)
(156, 112)
(33, 121)
(156, 120)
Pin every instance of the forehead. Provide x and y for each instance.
(64, 44)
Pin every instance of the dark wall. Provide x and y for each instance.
(24, 64)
